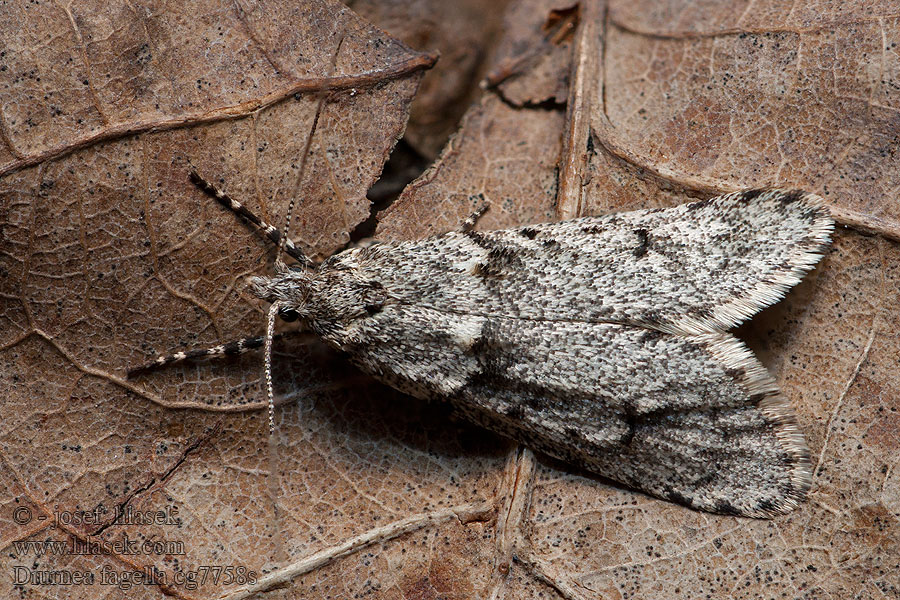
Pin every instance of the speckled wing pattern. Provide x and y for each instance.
(602, 341)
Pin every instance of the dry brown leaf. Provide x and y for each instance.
(383, 496)
(500, 157)
(109, 255)
(534, 55)
(464, 32)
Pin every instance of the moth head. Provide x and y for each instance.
(290, 288)
(337, 293)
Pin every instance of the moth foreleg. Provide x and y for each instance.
(472, 219)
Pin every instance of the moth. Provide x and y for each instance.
(602, 341)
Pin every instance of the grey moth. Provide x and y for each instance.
(602, 341)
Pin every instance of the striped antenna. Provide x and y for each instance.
(309, 138)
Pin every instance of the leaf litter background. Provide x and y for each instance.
(108, 256)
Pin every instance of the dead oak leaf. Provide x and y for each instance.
(109, 255)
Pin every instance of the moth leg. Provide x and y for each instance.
(230, 349)
(465, 226)
(470, 221)
(272, 232)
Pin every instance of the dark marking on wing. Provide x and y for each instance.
(485, 271)
(791, 197)
(755, 399)
(675, 496)
(514, 411)
(479, 239)
(643, 242)
(499, 260)
(737, 374)
(726, 508)
(633, 422)
(698, 205)
(651, 336)
(751, 195)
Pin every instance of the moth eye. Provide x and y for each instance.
(288, 316)
(373, 309)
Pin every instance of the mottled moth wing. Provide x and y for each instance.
(692, 419)
(699, 267)
(602, 340)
